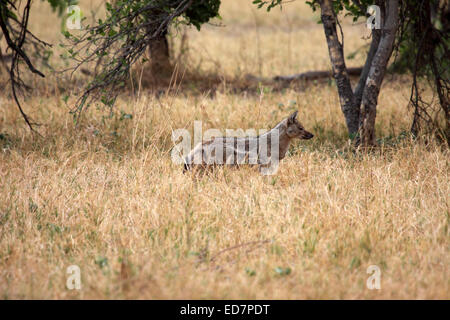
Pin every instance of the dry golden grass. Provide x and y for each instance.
(105, 196)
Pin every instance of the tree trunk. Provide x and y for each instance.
(346, 97)
(361, 120)
(377, 72)
(359, 90)
(159, 56)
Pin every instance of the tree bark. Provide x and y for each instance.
(159, 56)
(346, 97)
(377, 72)
(359, 90)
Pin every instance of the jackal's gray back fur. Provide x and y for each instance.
(251, 150)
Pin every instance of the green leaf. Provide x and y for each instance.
(283, 271)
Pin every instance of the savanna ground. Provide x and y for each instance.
(106, 196)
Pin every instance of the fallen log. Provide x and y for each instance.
(6, 58)
(314, 75)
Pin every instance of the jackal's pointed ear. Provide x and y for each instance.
(292, 117)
